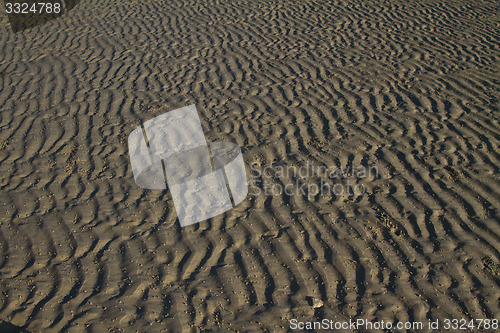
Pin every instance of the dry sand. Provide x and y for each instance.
(410, 87)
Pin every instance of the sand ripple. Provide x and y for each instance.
(411, 88)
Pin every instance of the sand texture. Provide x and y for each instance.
(410, 87)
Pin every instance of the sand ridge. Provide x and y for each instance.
(410, 87)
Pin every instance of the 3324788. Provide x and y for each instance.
(34, 8)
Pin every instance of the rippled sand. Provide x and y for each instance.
(410, 87)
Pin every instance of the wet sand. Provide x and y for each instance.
(410, 88)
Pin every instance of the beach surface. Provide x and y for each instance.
(405, 90)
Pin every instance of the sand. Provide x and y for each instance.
(409, 87)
